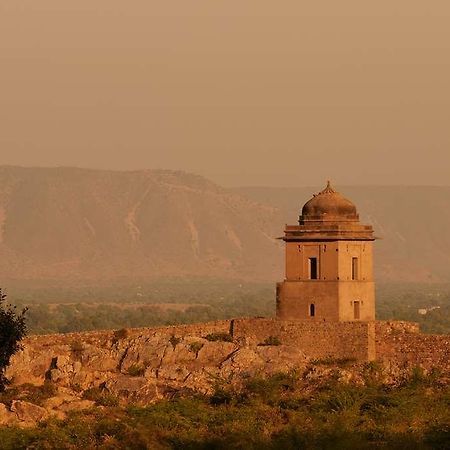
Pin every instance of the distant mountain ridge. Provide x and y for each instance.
(89, 224)
(80, 224)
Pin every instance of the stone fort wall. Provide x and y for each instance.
(400, 344)
(194, 330)
(395, 343)
(355, 340)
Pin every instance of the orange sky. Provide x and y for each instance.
(244, 92)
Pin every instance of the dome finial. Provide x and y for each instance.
(328, 189)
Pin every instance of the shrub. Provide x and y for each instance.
(293, 404)
(29, 392)
(37, 394)
(12, 330)
(221, 396)
(416, 377)
(224, 337)
(136, 370)
(174, 341)
(372, 373)
(76, 387)
(120, 334)
(101, 397)
(271, 340)
(378, 404)
(76, 347)
(270, 388)
(195, 347)
(339, 399)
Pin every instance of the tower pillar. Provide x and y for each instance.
(329, 263)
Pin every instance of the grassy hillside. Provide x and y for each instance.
(285, 411)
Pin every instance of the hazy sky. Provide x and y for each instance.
(244, 92)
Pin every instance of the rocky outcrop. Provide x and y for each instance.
(141, 366)
(132, 366)
(27, 413)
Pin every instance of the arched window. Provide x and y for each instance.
(312, 310)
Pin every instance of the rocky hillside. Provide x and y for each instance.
(76, 224)
(138, 366)
(85, 224)
(142, 366)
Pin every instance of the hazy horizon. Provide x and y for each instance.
(316, 185)
(245, 94)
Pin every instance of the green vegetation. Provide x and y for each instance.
(29, 392)
(195, 347)
(101, 397)
(13, 329)
(174, 341)
(223, 337)
(61, 309)
(136, 370)
(120, 334)
(167, 302)
(285, 411)
(402, 301)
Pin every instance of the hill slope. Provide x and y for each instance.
(77, 224)
(86, 224)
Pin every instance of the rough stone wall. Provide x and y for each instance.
(191, 360)
(142, 364)
(295, 297)
(399, 344)
(94, 354)
(199, 329)
(316, 339)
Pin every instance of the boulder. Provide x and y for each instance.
(28, 413)
(76, 405)
(6, 417)
(173, 372)
(146, 352)
(99, 359)
(137, 390)
(282, 358)
(214, 353)
(245, 360)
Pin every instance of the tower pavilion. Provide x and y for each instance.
(329, 263)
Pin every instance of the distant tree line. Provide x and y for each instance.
(62, 310)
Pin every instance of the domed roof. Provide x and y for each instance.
(330, 203)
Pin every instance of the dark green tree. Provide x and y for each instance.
(13, 329)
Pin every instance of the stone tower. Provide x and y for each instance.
(329, 263)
